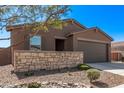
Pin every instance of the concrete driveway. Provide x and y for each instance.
(115, 68)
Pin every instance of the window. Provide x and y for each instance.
(35, 43)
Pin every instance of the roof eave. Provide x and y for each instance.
(105, 34)
(10, 28)
(91, 29)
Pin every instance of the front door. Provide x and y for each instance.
(59, 45)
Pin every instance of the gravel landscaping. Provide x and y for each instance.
(69, 78)
(48, 84)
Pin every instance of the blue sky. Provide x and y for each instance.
(109, 18)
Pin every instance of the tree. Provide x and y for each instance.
(33, 17)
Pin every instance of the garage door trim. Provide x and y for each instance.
(90, 40)
(105, 55)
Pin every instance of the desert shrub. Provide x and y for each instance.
(29, 74)
(23, 85)
(34, 85)
(83, 67)
(93, 74)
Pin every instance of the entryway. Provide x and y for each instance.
(59, 44)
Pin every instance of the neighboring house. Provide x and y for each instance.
(95, 43)
(117, 51)
(118, 46)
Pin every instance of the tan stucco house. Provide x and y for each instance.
(95, 43)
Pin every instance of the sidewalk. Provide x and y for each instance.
(120, 86)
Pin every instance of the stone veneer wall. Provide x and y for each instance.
(27, 60)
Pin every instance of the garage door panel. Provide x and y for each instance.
(93, 52)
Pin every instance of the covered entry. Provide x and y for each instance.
(59, 44)
(93, 51)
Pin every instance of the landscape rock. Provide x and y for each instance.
(47, 84)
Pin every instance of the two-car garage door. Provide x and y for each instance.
(93, 51)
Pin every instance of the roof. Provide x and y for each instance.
(76, 22)
(10, 28)
(93, 28)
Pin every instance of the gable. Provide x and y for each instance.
(93, 34)
(70, 22)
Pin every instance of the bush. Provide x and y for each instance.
(93, 74)
(34, 85)
(83, 67)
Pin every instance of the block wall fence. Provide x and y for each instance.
(27, 60)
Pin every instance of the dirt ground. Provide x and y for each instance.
(8, 77)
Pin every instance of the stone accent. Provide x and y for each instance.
(27, 60)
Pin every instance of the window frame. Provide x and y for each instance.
(40, 42)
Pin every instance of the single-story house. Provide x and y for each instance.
(95, 43)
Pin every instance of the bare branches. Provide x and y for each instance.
(5, 38)
(60, 11)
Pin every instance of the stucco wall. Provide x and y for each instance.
(69, 44)
(92, 35)
(48, 38)
(25, 60)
